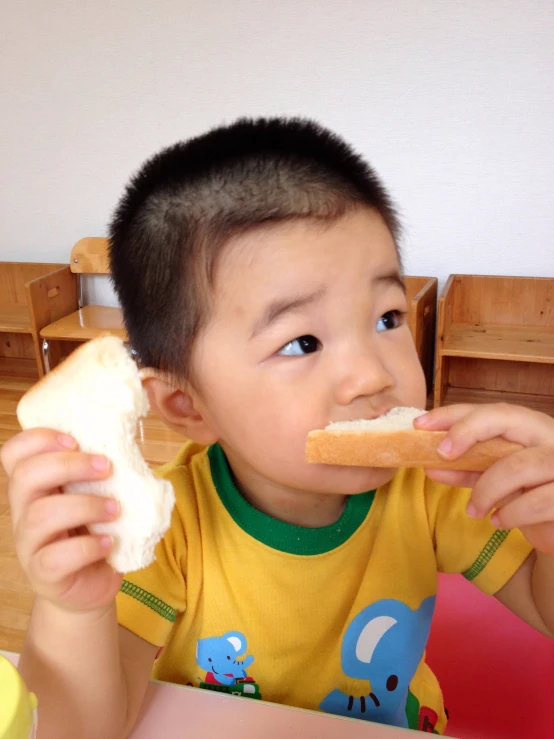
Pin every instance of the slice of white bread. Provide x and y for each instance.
(392, 441)
(96, 396)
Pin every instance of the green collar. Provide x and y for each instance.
(285, 537)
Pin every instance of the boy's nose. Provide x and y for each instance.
(361, 374)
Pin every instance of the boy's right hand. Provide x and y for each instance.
(65, 564)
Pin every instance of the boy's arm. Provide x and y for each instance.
(89, 682)
(517, 490)
(530, 593)
(137, 658)
(89, 674)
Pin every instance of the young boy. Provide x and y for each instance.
(259, 274)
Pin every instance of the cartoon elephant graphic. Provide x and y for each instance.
(384, 645)
(217, 655)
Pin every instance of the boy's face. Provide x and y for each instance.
(307, 327)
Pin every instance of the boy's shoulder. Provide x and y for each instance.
(190, 474)
(189, 468)
(188, 454)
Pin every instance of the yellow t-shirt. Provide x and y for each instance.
(334, 618)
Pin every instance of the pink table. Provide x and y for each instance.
(175, 711)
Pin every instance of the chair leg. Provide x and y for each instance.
(46, 355)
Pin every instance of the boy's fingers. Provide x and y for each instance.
(59, 560)
(513, 423)
(94, 586)
(441, 419)
(46, 518)
(32, 442)
(532, 507)
(36, 476)
(523, 470)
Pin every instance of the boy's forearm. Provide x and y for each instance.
(72, 662)
(542, 585)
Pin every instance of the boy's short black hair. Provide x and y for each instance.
(188, 200)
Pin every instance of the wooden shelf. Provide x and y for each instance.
(18, 367)
(495, 339)
(510, 343)
(543, 403)
(14, 319)
(17, 333)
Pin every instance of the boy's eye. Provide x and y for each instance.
(298, 347)
(391, 319)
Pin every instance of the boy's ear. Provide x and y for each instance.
(176, 407)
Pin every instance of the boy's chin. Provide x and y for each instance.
(355, 480)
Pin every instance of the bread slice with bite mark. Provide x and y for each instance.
(96, 396)
(392, 441)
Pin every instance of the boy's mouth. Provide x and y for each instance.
(366, 417)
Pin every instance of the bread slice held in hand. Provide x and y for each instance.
(96, 396)
(392, 441)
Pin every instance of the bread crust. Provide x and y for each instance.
(402, 448)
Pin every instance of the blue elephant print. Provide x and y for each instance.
(384, 645)
(218, 656)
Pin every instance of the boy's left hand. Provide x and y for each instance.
(520, 486)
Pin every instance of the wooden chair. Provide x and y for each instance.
(495, 341)
(58, 314)
(421, 293)
(18, 336)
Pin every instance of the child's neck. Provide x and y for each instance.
(310, 510)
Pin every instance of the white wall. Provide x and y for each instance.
(451, 100)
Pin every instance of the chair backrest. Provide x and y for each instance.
(14, 275)
(512, 301)
(90, 256)
(496, 673)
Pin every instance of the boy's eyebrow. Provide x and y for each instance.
(393, 278)
(281, 306)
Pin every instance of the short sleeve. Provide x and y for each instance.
(151, 599)
(483, 554)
